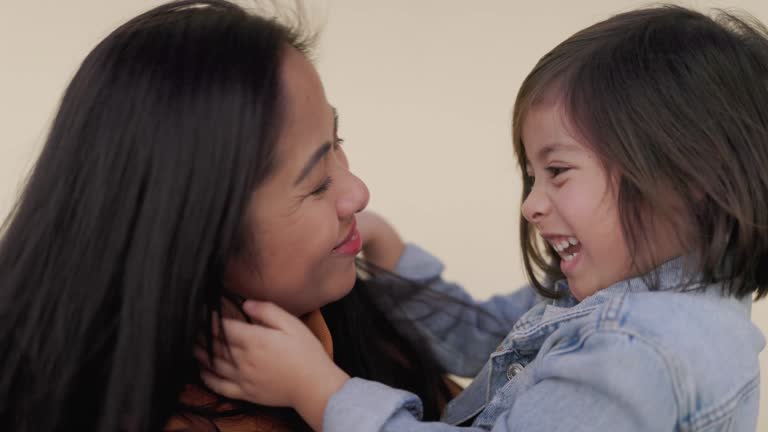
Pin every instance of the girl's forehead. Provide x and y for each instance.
(550, 126)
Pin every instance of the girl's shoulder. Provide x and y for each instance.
(687, 323)
(707, 345)
(706, 341)
(703, 313)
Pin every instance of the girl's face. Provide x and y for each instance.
(303, 241)
(574, 207)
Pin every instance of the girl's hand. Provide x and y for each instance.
(381, 243)
(277, 362)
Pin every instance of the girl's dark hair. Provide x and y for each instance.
(112, 262)
(675, 104)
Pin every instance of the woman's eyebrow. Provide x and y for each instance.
(320, 152)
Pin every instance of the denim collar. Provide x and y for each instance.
(674, 276)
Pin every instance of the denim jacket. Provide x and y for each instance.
(679, 358)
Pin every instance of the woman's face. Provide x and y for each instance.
(302, 240)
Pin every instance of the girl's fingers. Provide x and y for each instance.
(223, 351)
(269, 318)
(215, 325)
(221, 367)
(270, 315)
(218, 348)
(216, 333)
(202, 356)
(241, 334)
(221, 385)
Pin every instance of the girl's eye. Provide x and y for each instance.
(556, 171)
(324, 186)
(339, 141)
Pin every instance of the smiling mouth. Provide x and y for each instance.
(350, 235)
(567, 247)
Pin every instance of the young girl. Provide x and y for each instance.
(644, 145)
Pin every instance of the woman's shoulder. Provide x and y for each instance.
(225, 417)
(241, 423)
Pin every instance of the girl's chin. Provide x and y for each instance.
(577, 289)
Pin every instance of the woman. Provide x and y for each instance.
(194, 158)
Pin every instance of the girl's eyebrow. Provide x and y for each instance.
(548, 149)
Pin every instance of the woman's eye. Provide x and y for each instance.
(324, 186)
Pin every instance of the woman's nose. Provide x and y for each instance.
(353, 196)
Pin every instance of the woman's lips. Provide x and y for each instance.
(352, 244)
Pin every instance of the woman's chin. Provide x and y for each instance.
(342, 286)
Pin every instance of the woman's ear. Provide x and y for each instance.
(238, 277)
(697, 195)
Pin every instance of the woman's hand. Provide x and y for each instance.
(381, 244)
(277, 362)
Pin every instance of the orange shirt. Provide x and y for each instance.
(266, 422)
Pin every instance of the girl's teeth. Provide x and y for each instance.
(565, 244)
(570, 256)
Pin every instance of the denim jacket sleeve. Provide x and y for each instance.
(462, 332)
(598, 383)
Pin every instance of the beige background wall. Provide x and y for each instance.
(424, 89)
